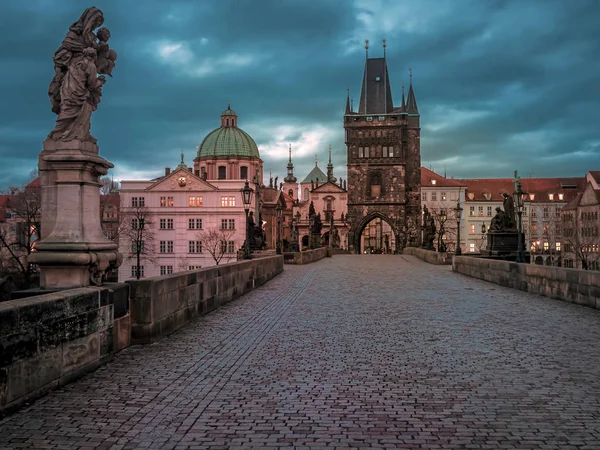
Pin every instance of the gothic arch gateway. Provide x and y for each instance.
(376, 233)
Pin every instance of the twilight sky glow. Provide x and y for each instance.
(501, 85)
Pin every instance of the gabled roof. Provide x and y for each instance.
(428, 175)
(111, 199)
(201, 184)
(329, 187)
(572, 205)
(411, 101)
(595, 174)
(376, 94)
(314, 174)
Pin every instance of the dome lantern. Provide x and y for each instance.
(228, 117)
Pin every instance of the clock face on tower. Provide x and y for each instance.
(182, 181)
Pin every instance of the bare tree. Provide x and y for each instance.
(20, 231)
(218, 243)
(445, 223)
(582, 240)
(137, 233)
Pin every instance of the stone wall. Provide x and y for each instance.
(429, 256)
(307, 256)
(164, 304)
(570, 285)
(48, 340)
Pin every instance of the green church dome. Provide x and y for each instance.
(228, 140)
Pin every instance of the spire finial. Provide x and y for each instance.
(182, 158)
(316, 159)
(228, 105)
(329, 153)
(384, 45)
(290, 149)
(410, 71)
(351, 103)
(367, 47)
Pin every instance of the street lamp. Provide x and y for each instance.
(246, 192)
(441, 245)
(278, 212)
(458, 211)
(519, 197)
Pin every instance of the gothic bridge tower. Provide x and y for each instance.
(384, 160)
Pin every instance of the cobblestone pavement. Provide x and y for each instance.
(351, 352)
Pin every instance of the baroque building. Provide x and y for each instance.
(383, 160)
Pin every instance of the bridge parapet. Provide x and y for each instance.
(429, 256)
(307, 256)
(570, 285)
(48, 340)
(161, 305)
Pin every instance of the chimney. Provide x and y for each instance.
(167, 171)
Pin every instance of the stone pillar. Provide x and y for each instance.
(73, 251)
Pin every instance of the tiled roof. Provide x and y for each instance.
(428, 175)
(595, 175)
(228, 141)
(111, 199)
(315, 174)
(491, 189)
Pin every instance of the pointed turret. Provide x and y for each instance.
(330, 176)
(348, 107)
(290, 178)
(403, 107)
(411, 101)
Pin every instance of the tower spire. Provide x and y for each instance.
(384, 45)
(290, 178)
(367, 48)
(403, 101)
(330, 176)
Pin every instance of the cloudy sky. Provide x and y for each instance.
(501, 85)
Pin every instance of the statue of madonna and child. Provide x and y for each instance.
(80, 63)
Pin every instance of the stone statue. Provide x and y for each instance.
(498, 221)
(271, 182)
(509, 209)
(275, 183)
(431, 229)
(76, 89)
(281, 186)
(425, 239)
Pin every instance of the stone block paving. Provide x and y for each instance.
(372, 351)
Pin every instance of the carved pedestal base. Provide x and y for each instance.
(73, 251)
(502, 243)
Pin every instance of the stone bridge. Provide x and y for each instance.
(370, 351)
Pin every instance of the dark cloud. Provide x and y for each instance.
(501, 85)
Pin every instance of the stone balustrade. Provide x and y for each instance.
(430, 256)
(48, 340)
(307, 256)
(570, 285)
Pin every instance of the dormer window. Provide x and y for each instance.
(531, 197)
(561, 196)
(471, 196)
(433, 182)
(551, 196)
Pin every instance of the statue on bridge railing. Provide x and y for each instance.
(429, 229)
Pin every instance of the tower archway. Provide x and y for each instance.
(376, 234)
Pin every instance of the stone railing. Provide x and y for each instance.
(163, 304)
(48, 340)
(307, 256)
(570, 285)
(430, 256)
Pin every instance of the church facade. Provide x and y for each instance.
(383, 161)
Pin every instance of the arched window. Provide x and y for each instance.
(305, 194)
(291, 193)
(222, 172)
(244, 173)
(329, 204)
(227, 122)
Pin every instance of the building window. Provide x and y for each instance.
(551, 196)
(228, 201)
(546, 246)
(222, 172)
(163, 201)
(291, 193)
(471, 211)
(195, 201)
(472, 228)
(361, 152)
(194, 246)
(203, 172)
(134, 202)
(546, 213)
(384, 151)
(194, 224)
(480, 211)
(228, 246)
(558, 246)
(194, 267)
(135, 245)
(166, 270)
(166, 246)
(169, 201)
(134, 271)
(306, 194)
(533, 212)
(424, 196)
(489, 210)
(166, 224)
(561, 196)
(367, 152)
(472, 247)
(434, 196)
(443, 196)
(244, 173)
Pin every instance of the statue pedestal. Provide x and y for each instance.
(503, 242)
(73, 251)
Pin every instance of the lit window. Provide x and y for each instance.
(472, 247)
(551, 196)
(480, 211)
(532, 197)
(546, 246)
(169, 201)
(472, 228)
(561, 196)
(195, 201)
(163, 201)
(443, 196)
(433, 182)
(558, 246)
(471, 211)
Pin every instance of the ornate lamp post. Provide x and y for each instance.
(519, 197)
(278, 212)
(441, 244)
(458, 211)
(247, 200)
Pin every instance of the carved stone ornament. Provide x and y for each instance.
(181, 181)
